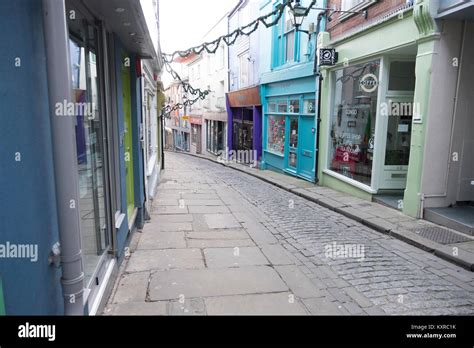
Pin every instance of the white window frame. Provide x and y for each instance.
(354, 5)
(379, 131)
(244, 56)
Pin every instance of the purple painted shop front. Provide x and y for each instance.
(244, 120)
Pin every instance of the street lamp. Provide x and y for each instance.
(297, 14)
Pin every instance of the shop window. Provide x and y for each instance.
(294, 106)
(272, 107)
(276, 134)
(347, 5)
(282, 106)
(244, 69)
(352, 124)
(285, 39)
(353, 6)
(194, 137)
(402, 76)
(309, 106)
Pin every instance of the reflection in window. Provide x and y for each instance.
(402, 76)
(309, 106)
(294, 106)
(276, 134)
(294, 132)
(353, 119)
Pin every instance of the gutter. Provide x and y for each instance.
(65, 156)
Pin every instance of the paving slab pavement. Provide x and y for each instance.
(238, 257)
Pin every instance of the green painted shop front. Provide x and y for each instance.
(373, 110)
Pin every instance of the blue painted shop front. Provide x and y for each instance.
(289, 127)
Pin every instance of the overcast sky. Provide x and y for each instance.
(183, 23)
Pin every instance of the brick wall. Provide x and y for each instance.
(337, 27)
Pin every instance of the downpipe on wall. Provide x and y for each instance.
(65, 155)
(317, 71)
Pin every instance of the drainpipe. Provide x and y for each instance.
(317, 71)
(65, 156)
(163, 134)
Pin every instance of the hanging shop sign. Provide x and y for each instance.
(327, 57)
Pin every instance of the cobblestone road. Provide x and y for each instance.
(224, 242)
(384, 275)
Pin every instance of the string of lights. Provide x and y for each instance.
(212, 46)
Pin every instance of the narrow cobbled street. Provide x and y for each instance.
(223, 242)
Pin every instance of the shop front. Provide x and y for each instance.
(289, 127)
(244, 120)
(372, 111)
(107, 142)
(215, 136)
(370, 123)
(196, 134)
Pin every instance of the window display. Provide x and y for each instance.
(276, 134)
(352, 125)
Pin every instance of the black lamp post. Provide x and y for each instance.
(297, 14)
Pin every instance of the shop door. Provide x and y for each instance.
(398, 137)
(292, 161)
(128, 138)
(300, 159)
(199, 139)
(306, 147)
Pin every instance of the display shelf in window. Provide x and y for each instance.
(276, 134)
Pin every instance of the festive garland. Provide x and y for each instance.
(211, 48)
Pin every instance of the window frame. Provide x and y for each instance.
(279, 42)
(244, 56)
(361, 5)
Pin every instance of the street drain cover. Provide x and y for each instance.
(440, 235)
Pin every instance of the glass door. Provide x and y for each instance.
(398, 139)
(293, 143)
(91, 152)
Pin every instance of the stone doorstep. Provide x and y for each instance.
(464, 259)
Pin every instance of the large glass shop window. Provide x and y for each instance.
(352, 125)
(90, 150)
(276, 134)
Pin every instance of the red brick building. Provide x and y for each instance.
(341, 23)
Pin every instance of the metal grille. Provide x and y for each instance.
(441, 235)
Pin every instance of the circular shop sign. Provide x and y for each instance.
(368, 83)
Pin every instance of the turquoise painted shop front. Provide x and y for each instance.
(289, 91)
(289, 126)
